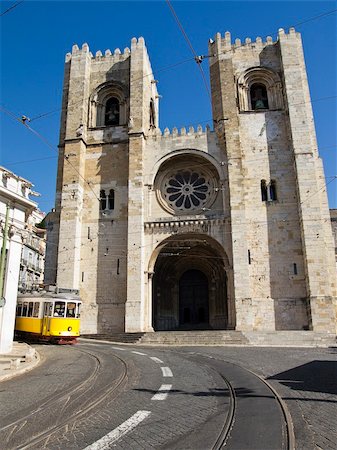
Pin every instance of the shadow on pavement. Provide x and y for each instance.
(316, 376)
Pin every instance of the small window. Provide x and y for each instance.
(107, 200)
(111, 199)
(102, 200)
(264, 191)
(30, 309)
(152, 115)
(36, 309)
(258, 96)
(24, 309)
(268, 191)
(19, 309)
(272, 191)
(111, 116)
(71, 310)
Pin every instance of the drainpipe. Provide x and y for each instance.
(3, 256)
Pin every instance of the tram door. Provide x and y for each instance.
(47, 314)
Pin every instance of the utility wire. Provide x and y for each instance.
(198, 59)
(11, 7)
(327, 13)
(163, 69)
(195, 58)
(43, 139)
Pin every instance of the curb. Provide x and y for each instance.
(27, 366)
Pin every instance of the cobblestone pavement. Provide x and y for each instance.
(306, 378)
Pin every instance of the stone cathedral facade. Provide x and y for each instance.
(193, 229)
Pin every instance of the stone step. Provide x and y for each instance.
(222, 338)
(291, 338)
(215, 337)
(128, 338)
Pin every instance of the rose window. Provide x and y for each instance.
(187, 190)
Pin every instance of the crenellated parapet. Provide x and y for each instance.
(107, 55)
(224, 43)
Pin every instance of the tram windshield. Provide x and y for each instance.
(67, 309)
(59, 309)
(71, 309)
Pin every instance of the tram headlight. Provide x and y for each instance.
(70, 328)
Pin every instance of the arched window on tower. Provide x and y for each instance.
(264, 191)
(111, 200)
(102, 200)
(112, 107)
(258, 96)
(152, 115)
(107, 200)
(272, 191)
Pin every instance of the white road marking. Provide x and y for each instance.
(162, 392)
(118, 348)
(157, 360)
(139, 353)
(167, 372)
(105, 442)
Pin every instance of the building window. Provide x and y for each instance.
(187, 190)
(111, 200)
(264, 191)
(259, 88)
(107, 200)
(152, 115)
(102, 200)
(272, 191)
(258, 96)
(268, 191)
(111, 115)
(109, 105)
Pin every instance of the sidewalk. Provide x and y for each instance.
(22, 358)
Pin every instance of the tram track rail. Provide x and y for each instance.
(66, 399)
(224, 434)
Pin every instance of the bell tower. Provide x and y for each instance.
(109, 105)
(282, 252)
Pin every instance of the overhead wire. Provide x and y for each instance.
(163, 69)
(51, 146)
(197, 58)
(11, 7)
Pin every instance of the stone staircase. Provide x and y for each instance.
(125, 338)
(222, 338)
(205, 337)
(290, 338)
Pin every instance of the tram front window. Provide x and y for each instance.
(59, 309)
(71, 309)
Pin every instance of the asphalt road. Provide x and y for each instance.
(99, 396)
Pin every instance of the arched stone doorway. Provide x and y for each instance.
(190, 286)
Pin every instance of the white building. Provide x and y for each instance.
(15, 208)
(33, 254)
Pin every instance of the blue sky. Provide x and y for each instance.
(36, 35)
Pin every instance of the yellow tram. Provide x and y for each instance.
(50, 319)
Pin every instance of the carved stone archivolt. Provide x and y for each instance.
(264, 76)
(183, 226)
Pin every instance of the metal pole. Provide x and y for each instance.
(3, 253)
